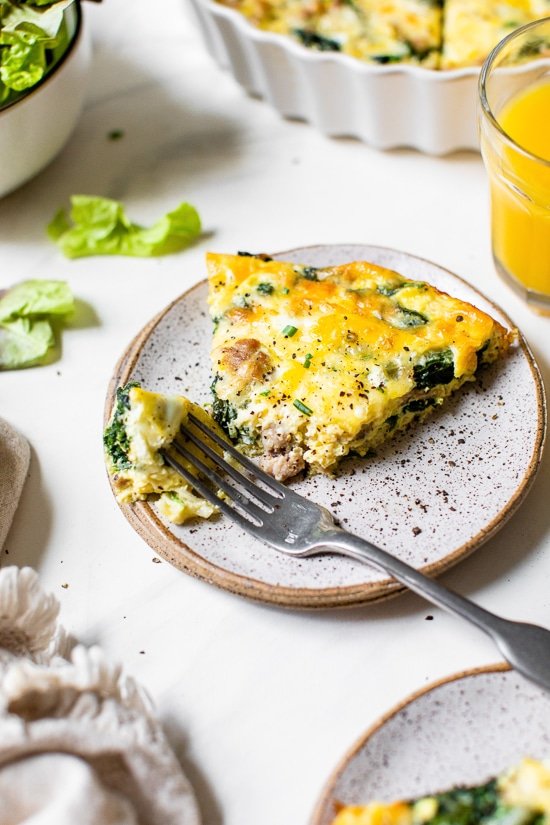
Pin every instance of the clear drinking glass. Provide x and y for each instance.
(514, 91)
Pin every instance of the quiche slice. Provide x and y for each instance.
(141, 424)
(518, 797)
(313, 364)
(471, 28)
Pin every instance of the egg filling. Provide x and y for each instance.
(312, 364)
(519, 797)
(435, 34)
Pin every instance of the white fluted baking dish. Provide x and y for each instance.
(386, 106)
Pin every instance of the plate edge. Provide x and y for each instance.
(326, 794)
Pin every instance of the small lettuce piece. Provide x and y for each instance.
(24, 342)
(45, 20)
(36, 297)
(23, 61)
(26, 310)
(101, 227)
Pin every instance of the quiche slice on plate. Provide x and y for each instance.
(313, 364)
(519, 797)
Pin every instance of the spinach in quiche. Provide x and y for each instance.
(335, 360)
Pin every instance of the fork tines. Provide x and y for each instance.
(250, 500)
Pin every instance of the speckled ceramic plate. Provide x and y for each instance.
(431, 496)
(460, 731)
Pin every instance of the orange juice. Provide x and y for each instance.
(520, 189)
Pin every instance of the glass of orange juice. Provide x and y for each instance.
(514, 91)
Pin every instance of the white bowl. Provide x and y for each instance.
(36, 126)
(386, 106)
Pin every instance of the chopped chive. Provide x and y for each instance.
(289, 331)
(307, 361)
(302, 407)
(265, 288)
(285, 290)
(265, 392)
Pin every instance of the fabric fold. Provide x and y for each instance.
(74, 729)
(15, 455)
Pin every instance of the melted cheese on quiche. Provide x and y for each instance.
(474, 27)
(142, 424)
(527, 786)
(448, 34)
(378, 31)
(519, 797)
(376, 813)
(333, 360)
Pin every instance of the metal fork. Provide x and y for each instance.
(294, 525)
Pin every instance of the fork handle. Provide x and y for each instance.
(526, 647)
(362, 550)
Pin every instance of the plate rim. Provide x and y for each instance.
(145, 521)
(328, 788)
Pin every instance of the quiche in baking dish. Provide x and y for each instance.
(519, 797)
(444, 34)
(472, 28)
(310, 364)
(378, 31)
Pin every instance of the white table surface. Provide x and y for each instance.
(260, 703)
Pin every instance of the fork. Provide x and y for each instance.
(292, 524)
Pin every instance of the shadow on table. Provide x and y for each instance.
(458, 155)
(209, 807)
(167, 139)
(32, 522)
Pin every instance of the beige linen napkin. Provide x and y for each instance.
(14, 464)
(78, 740)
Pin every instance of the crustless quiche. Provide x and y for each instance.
(310, 365)
(473, 28)
(378, 31)
(519, 797)
(444, 34)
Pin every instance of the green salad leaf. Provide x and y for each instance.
(23, 62)
(36, 297)
(32, 38)
(100, 226)
(45, 20)
(26, 312)
(24, 342)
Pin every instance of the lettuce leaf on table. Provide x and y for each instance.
(100, 226)
(26, 312)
